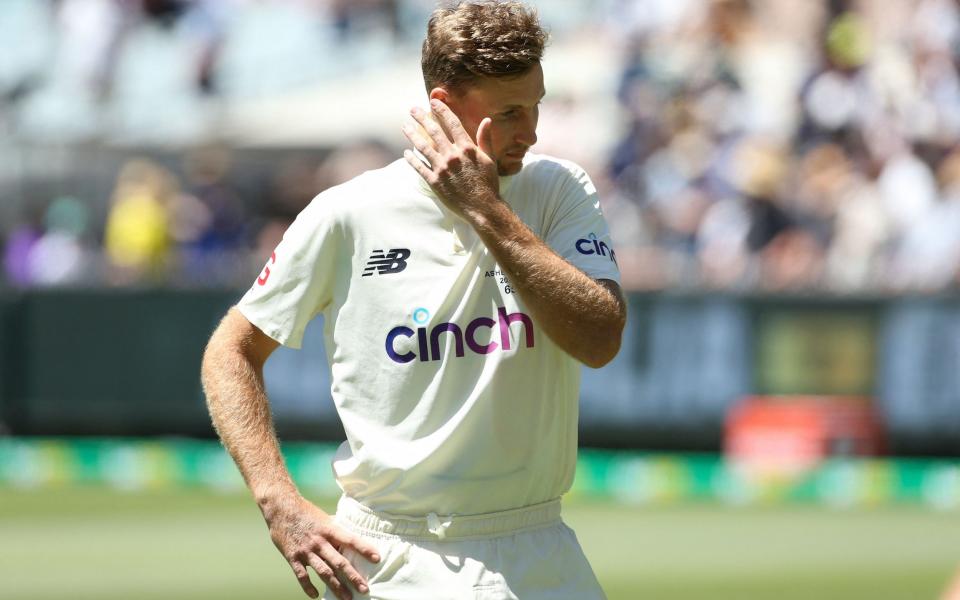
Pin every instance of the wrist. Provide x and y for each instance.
(489, 215)
(273, 496)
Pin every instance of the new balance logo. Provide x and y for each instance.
(383, 263)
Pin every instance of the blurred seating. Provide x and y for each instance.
(774, 146)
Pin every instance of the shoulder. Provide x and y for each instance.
(545, 165)
(341, 201)
(358, 189)
(560, 176)
(544, 169)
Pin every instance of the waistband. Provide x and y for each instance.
(434, 527)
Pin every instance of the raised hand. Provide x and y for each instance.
(462, 173)
(308, 537)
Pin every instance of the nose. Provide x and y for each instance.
(527, 131)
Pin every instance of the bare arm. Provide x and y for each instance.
(232, 374)
(583, 316)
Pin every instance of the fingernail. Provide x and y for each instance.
(375, 557)
(415, 110)
(434, 102)
(363, 589)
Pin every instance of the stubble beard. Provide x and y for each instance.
(509, 168)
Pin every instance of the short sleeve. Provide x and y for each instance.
(297, 282)
(577, 230)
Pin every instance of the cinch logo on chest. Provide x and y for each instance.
(385, 263)
(457, 336)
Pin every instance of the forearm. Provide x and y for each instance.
(240, 412)
(305, 535)
(580, 315)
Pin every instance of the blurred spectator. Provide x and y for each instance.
(55, 250)
(208, 222)
(343, 164)
(62, 256)
(16, 253)
(137, 237)
(294, 182)
(928, 255)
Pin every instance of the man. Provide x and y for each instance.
(460, 288)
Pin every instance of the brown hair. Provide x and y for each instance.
(480, 39)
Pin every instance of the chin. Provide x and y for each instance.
(512, 167)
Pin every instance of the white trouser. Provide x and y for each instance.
(521, 554)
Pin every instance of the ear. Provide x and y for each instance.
(441, 94)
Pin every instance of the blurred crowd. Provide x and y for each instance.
(200, 221)
(772, 145)
(788, 145)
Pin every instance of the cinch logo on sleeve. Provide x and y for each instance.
(385, 263)
(591, 245)
(428, 342)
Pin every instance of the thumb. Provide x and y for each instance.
(485, 137)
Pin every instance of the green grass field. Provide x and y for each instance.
(105, 545)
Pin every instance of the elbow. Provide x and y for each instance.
(595, 362)
(609, 335)
(602, 352)
(602, 355)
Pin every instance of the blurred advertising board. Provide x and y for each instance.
(659, 479)
(112, 362)
(785, 436)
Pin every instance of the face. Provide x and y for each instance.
(513, 105)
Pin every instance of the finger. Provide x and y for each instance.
(303, 577)
(418, 166)
(419, 142)
(485, 136)
(343, 567)
(365, 548)
(329, 577)
(429, 125)
(450, 122)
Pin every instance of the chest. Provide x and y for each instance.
(421, 267)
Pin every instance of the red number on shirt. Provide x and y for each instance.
(262, 280)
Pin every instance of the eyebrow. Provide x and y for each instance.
(512, 106)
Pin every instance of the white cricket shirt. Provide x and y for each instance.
(453, 399)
